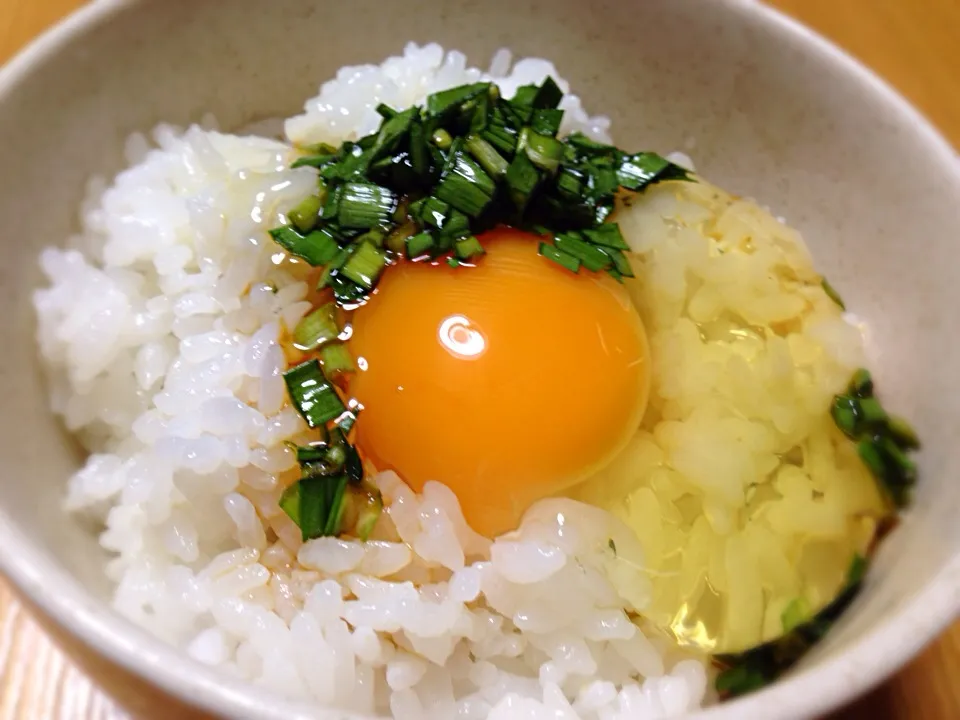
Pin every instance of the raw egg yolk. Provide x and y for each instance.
(508, 381)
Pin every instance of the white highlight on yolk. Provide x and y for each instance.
(460, 338)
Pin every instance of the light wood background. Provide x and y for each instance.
(914, 44)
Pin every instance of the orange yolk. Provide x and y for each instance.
(509, 381)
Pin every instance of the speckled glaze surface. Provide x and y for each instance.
(767, 110)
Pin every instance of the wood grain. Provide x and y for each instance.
(912, 43)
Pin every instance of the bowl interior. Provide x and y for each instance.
(764, 108)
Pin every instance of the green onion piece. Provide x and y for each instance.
(320, 149)
(365, 265)
(468, 247)
(457, 226)
(607, 235)
(316, 328)
(621, 265)
(376, 237)
(856, 571)
(440, 103)
(385, 111)
(559, 257)
(317, 248)
(586, 146)
(392, 131)
(345, 291)
(314, 506)
(871, 411)
(480, 116)
(740, 680)
(453, 262)
(419, 245)
(895, 474)
(312, 394)
(524, 95)
(570, 183)
(548, 95)
(336, 503)
(501, 138)
(846, 414)
(485, 154)
(902, 433)
(308, 453)
(316, 161)
(305, 215)
(433, 212)
(862, 383)
(522, 180)
(290, 502)
(368, 516)
(346, 421)
(353, 164)
(441, 138)
(832, 294)
(546, 121)
(603, 182)
(332, 204)
(365, 205)
(639, 170)
(544, 151)
(335, 358)
(465, 185)
(592, 257)
(796, 613)
(419, 155)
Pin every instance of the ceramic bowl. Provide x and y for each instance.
(767, 109)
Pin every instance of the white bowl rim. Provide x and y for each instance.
(820, 688)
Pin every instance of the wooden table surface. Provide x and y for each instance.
(912, 43)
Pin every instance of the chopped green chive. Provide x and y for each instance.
(797, 612)
(312, 394)
(485, 154)
(559, 257)
(465, 185)
(441, 103)
(902, 433)
(592, 257)
(336, 358)
(544, 151)
(468, 248)
(548, 95)
(316, 161)
(365, 205)
(419, 245)
(316, 328)
(607, 235)
(290, 502)
(433, 177)
(846, 415)
(832, 294)
(862, 383)
(307, 213)
(365, 265)
(368, 516)
(522, 180)
(441, 138)
(546, 121)
(317, 248)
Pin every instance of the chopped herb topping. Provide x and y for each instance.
(432, 178)
(312, 394)
(883, 442)
(760, 666)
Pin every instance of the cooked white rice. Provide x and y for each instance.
(161, 327)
